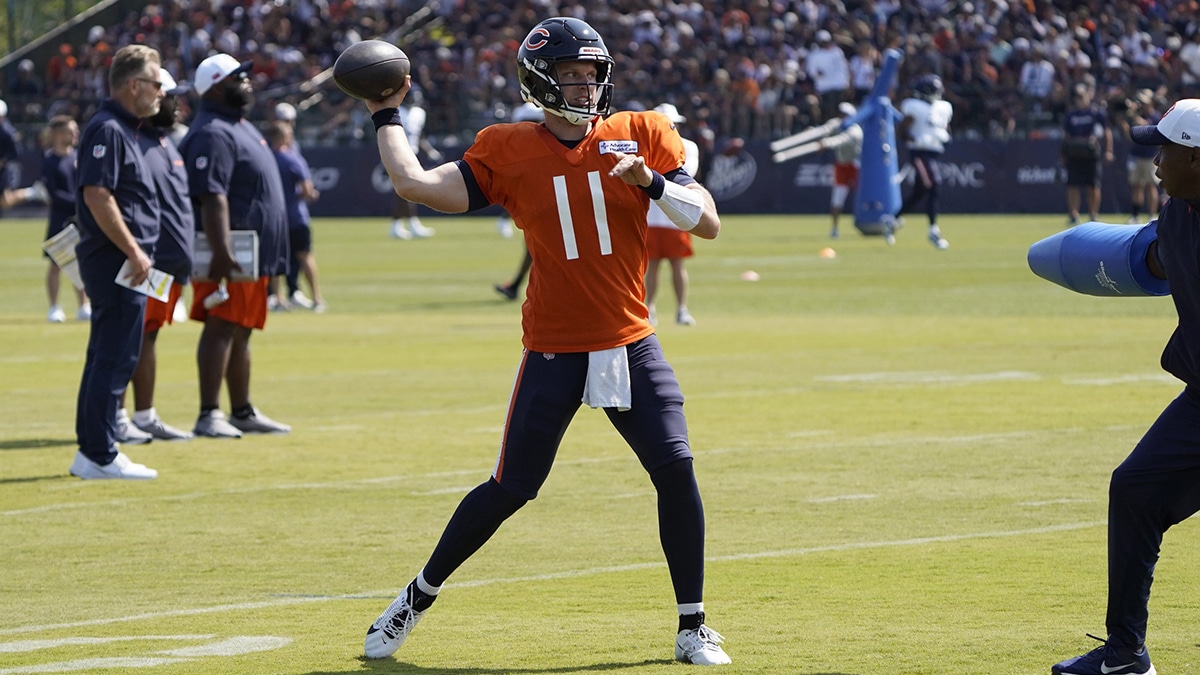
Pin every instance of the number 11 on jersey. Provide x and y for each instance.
(568, 224)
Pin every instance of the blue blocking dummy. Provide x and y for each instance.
(878, 194)
(1099, 259)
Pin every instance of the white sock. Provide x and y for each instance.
(122, 414)
(144, 417)
(933, 229)
(689, 608)
(424, 586)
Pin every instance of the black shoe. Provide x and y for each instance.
(506, 290)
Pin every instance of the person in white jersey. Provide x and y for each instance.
(665, 241)
(925, 130)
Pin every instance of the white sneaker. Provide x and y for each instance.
(56, 315)
(301, 300)
(685, 318)
(128, 434)
(418, 230)
(399, 232)
(162, 431)
(121, 468)
(274, 304)
(37, 193)
(700, 647)
(84, 313)
(214, 425)
(392, 627)
(937, 240)
(258, 423)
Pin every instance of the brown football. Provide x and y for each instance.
(371, 69)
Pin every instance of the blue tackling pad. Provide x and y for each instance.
(1099, 259)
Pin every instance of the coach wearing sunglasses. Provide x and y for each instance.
(119, 222)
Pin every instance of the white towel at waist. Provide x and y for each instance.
(607, 384)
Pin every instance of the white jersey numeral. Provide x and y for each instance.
(600, 212)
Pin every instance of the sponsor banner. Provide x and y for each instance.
(983, 176)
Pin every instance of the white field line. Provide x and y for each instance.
(567, 574)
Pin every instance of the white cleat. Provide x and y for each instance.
(299, 299)
(400, 232)
(418, 230)
(56, 315)
(121, 468)
(392, 627)
(701, 647)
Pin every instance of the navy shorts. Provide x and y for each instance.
(1083, 172)
(547, 393)
(300, 239)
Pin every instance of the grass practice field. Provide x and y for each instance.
(904, 455)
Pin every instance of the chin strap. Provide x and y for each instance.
(682, 205)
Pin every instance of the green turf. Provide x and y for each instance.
(903, 452)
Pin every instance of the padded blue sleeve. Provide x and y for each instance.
(1099, 259)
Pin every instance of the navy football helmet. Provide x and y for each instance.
(560, 40)
(928, 87)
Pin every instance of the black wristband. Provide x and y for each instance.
(656, 186)
(383, 118)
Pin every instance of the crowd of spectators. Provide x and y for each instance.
(745, 69)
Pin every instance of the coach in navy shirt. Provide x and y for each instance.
(118, 223)
(173, 255)
(234, 184)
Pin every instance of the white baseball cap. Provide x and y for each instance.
(1180, 124)
(823, 36)
(285, 111)
(169, 86)
(847, 109)
(216, 68)
(671, 112)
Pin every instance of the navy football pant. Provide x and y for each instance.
(113, 347)
(927, 181)
(1157, 486)
(545, 398)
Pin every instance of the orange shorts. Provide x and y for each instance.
(667, 242)
(159, 314)
(845, 174)
(246, 306)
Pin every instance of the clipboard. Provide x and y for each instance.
(244, 246)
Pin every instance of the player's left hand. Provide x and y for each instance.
(632, 169)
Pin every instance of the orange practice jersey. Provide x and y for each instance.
(585, 230)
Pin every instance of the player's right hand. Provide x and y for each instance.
(393, 101)
(222, 266)
(139, 267)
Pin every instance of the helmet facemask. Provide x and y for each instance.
(540, 86)
(558, 41)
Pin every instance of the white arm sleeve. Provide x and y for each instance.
(682, 205)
